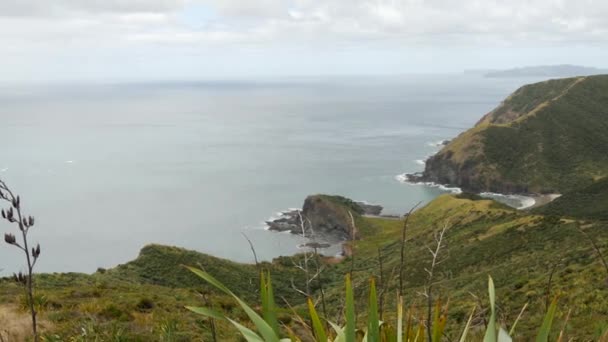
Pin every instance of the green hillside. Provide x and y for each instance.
(145, 297)
(590, 202)
(545, 137)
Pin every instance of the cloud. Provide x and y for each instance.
(415, 19)
(60, 8)
(280, 20)
(59, 30)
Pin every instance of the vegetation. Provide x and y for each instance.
(545, 137)
(590, 202)
(532, 258)
(14, 215)
(267, 326)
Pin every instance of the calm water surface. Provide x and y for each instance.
(106, 169)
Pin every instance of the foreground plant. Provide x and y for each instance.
(267, 327)
(14, 215)
(496, 333)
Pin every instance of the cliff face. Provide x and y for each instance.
(545, 137)
(325, 217)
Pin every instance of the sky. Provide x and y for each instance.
(58, 40)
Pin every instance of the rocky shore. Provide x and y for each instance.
(324, 218)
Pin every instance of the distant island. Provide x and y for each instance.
(563, 70)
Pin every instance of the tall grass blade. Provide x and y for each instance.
(249, 335)
(340, 335)
(512, 331)
(439, 321)
(373, 321)
(292, 335)
(269, 310)
(350, 332)
(490, 335)
(317, 326)
(409, 325)
(400, 319)
(420, 331)
(388, 333)
(465, 332)
(205, 312)
(503, 336)
(562, 333)
(263, 328)
(545, 329)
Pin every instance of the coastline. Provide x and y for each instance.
(540, 200)
(517, 201)
(522, 201)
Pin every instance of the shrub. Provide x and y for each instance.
(145, 305)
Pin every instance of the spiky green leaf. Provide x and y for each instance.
(318, 329)
(205, 312)
(269, 310)
(545, 329)
(247, 333)
(373, 321)
(350, 328)
(340, 334)
(263, 328)
(491, 331)
(465, 332)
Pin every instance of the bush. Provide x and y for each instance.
(145, 305)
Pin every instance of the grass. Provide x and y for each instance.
(546, 137)
(144, 300)
(519, 256)
(590, 202)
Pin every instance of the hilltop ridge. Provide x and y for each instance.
(547, 137)
(563, 70)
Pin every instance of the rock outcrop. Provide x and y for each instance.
(329, 218)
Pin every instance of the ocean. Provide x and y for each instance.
(107, 168)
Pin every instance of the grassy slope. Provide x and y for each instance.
(485, 238)
(85, 307)
(109, 303)
(590, 202)
(518, 250)
(548, 136)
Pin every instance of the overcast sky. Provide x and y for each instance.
(211, 39)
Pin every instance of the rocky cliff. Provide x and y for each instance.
(550, 136)
(329, 218)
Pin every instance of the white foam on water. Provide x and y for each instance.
(525, 202)
(278, 215)
(420, 161)
(402, 178)
(436, 143)
(69, 162)
(4, 170)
